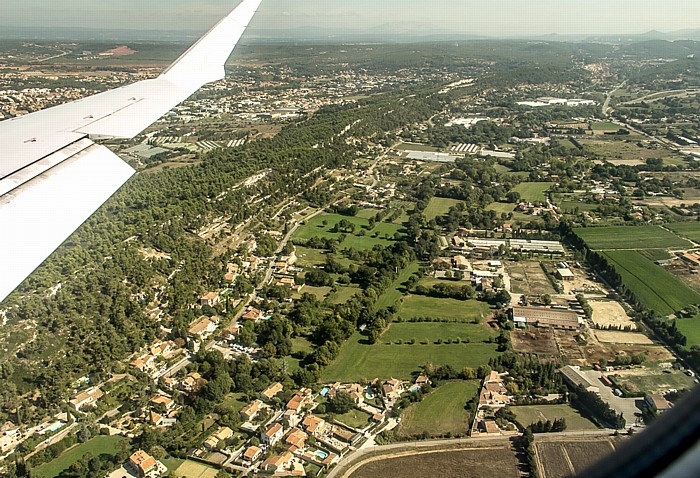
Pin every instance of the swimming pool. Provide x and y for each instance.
(321, 454)
(414, 388)
(325, 391)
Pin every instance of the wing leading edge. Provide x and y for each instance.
(53, 177)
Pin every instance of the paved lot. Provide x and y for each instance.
(630, 407)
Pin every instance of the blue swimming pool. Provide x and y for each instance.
(325, 391)
(321, 454)
(414, 388)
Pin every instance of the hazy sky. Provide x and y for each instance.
(484, 17)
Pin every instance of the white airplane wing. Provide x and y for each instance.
(53, 177)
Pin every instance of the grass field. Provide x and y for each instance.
(354, 418)
(361, 362)
(691, 329)
(235, 402)
(630, 237)
(690, 230)
(432, 331)
(97, 446)
(509, 208)
(440, 412)
(655, 287)
(342, 295)
(527, 415)
(605, 126)
(362, 238)
(193, 469)
(394, 293)
(461, 310)
(439, 207)
(533, 192)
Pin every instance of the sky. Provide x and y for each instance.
(500, 18)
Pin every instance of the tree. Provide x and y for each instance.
(342, 403)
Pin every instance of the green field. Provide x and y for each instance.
(630, 237)
(97, 446)
(460, 310)
(605, 126)
(342, 295)
(193, 469)
(439, 207)
(527, 415)
(432, 331)
(655, 287)
(360, 362)
(354, 418)
(509, 208)
(394, 293)
(319, 292)
(533, 192)
(441, 412)
(690, 230)
(691, 329)
(362, 238)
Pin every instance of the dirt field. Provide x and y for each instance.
(615, 337)
(485, 463)
(569, 346)
(594, 352)
(685, 273)
(534, 340)
(528, 278)
(610, 313)
(565, 459)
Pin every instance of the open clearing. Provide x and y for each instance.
(653, 286)
(354, 418)
(630, 237)
(100, 445)
(474, 463)
(650, 380)
(610, 313)
(534, 340)
(533, 192)
(439, 207)
(448, 309)
(527, 415)
(192, 469)
(394, 293)
(615, 337)
(441, 412)
(361, 236)
(358, 361)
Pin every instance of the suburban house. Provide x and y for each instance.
(301, 398)
(313, 425)
(203, 327)
(494, 394)
(271, 391)
(87, 398)
(296, 439)
(392, 389)
(250, 411)
(144, 465)
(283, 464)
(192, 382)
(210, 299)
(252, 454)
(254, 315)
(355, 390)
(272, 434)
(144, 363)
(223, 433)
(166, 403)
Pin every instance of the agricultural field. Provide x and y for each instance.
(529, 278)
(630, 237)
(358, 361)
(656, 288)
(447, 309)
(533, 192)
(193, 469)
(439, 207)
(434, 331)
(100, 445)
(690, 230)
(566, 459)
(691, 329)
(527, 415)
(441, 412)
(486, 463)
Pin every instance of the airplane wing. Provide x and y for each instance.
(53, 177)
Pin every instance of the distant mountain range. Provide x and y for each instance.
(390, 33)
